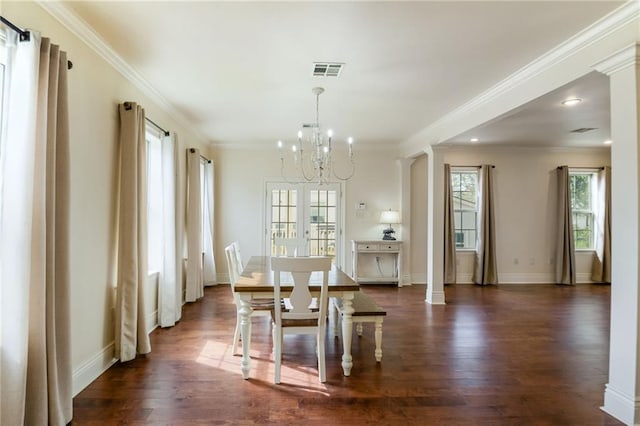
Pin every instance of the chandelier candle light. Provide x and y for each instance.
(316, 162)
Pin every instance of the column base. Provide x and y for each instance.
(435, 297)
(618, 405)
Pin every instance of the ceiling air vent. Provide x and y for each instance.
(327, 69)
(583, 130)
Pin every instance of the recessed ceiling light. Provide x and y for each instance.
(608, 142)
(474, 140)
(571, 101)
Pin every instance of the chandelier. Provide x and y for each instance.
(312, 154)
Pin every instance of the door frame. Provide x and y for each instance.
(268, 185)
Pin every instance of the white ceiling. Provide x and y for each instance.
(240, 72)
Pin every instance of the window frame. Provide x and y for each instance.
(154, 250)
(591, 211)
(3, 99)
(460, 231)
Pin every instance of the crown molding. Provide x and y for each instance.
(270, 146)
(76, 25)
(522, 149)
(620, 60)
(600, 29)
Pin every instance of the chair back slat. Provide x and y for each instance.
(233, 265)
(291, 247)
(300, 298)
(238, 257)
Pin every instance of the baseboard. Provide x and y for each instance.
(93, 368)
(464, 279)
(418, 278)
(619, 406)
(152, 320)
(512, 278)
(527, 278)
(584, 278)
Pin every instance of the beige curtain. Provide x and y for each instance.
(485, 270)
(565, 253)
(131, 328)
(601, 270)
(449, 230)
(35, 359)
(195, 287)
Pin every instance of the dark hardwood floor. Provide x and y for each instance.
(505, 355)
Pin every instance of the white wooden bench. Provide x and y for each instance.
(365, 310)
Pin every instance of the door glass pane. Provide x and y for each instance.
(322, 220)
(283, 216)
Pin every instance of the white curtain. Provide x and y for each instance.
(208, 261)
(170, 279)
(35, 359)
(565, 253)
(195, 288)
(131, 335)
(601, 269)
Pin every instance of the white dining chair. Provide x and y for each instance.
(299, 316)
(260, 307)
(290, 247)
(238, 257)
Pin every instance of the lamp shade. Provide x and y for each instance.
(390, 216)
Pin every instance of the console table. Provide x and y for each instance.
(376, 261)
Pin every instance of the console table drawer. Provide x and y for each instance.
(388, 247)
(368, 247)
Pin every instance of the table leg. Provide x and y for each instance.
(378, 337)
(336, 317)
(347, 332)
(245, 331)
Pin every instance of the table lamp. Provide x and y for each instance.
(389, 216)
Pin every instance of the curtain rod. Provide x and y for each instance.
(128, 105)
(192, 150)
(477, 167)
(166, 133)
(25, 35)
(583, 167)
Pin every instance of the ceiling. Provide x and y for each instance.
(240, 73)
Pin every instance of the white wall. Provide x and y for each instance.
(95, 89)
(525, 203)
(418, 248)
(240, 197)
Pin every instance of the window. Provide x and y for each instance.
(464, 190)
(154, 199)
(582, 189)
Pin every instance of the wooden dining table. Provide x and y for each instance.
(256, 282)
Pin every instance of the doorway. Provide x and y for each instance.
(309, 211)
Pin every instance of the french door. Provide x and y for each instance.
(308, 211)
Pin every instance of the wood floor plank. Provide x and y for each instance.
(498, 355)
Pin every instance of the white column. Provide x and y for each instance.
(405, 210)
(435, 227)
(622, 396)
